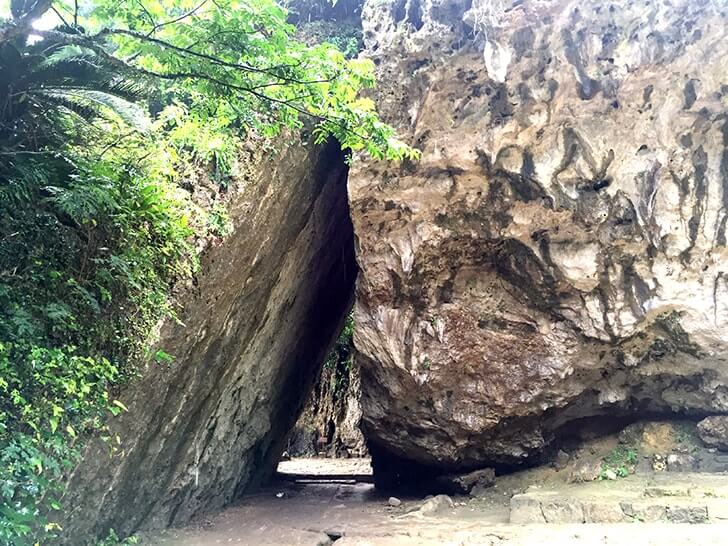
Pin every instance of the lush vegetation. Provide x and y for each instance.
(619, 463)
(103, 107)
(341, 358)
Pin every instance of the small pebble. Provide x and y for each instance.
(394, 501)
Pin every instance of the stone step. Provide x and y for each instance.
(673, 498)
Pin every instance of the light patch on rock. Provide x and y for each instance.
(497, 58)
(578, 263)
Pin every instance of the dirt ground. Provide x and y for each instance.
(355, 514)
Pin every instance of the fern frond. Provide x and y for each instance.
(126, 89)
(106, 103)
(69, 54)
(70, 106)
(22, 177)
(82, 201)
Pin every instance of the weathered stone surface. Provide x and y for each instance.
(562, 511)
(526, 509)
(439, 504)
(714, 431)
(561, 460)
(681, 462)
(681, 498)
(330, 420)
(394, 502)
(660, 437)
(477, 480)
(681, 514)
(559, 252)
(254, 328)
(606, 512)
(585, 470)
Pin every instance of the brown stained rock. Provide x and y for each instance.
(585, 470)
(558, 253)
(713, 431)
(656, 437)
(472, 482)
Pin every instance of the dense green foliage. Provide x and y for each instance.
(341, 357)
(90, 238)
(619, 463)
(232, 64)
(99, 115)
(344, 36)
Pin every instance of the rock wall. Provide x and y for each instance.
(254, 329)
(559, 253)
(329, 424)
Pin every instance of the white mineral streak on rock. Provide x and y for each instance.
(497, 58)
(578, 263)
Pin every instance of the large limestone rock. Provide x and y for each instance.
(559, 253)
(253, 331)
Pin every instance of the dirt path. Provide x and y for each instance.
(357, 515)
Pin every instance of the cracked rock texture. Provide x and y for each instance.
(254, 329)
(713, 431)
(329, 423)
(559, 253)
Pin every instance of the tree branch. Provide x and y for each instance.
(184, 51)
(115, 61)
(146, 12)
(22, 24)
(178, 19)
(60, 16)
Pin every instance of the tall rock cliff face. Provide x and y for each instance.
(254, 330)
(559, 253)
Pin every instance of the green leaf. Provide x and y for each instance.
(162, 357)
(119, 404)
